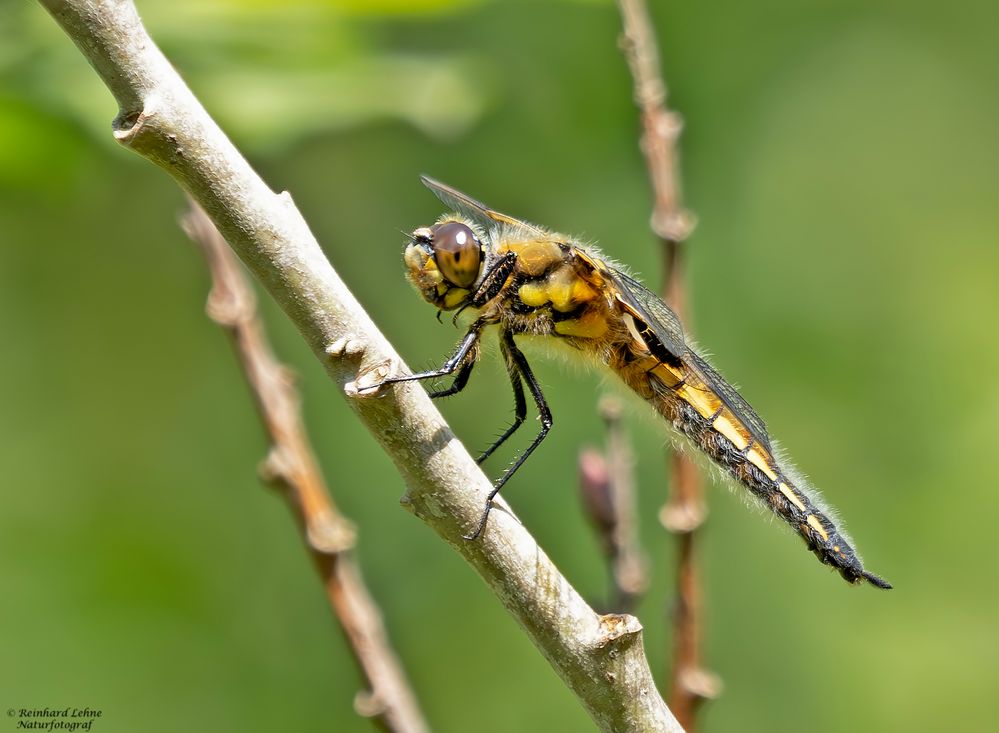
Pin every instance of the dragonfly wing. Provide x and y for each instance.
(645, 305)
(665, 325)
(475, 210)
(730, 397)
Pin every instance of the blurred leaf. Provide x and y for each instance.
(436, 96)
(359, 7)
(403, 7)
(37, 149)
(271, 73)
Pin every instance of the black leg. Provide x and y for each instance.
(449, 367)
(519, 363)
(494, 280)
(457, 385)
(520, 404)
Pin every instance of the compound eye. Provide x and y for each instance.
(457, 253)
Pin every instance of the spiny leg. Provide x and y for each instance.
(468, 343)
(458, 384)
(520, 409)
(519, 363)
(520, 404)
(492, 283)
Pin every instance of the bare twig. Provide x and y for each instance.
(291, 467)
(629, 566)
(608, 490)
(685, 510)
(600, 658)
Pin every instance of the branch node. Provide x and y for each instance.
(230, 308)
(329, 533)
(276, 467)
(345, 346)
(610, 409)
(129, 124)
(701, 684)
(367, 379)
(682, 517)
(673, 226)
(369, 704)
(618, 629)
(667, 124)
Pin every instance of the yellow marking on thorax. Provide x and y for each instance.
(535, 256)
(533, 294)
(563, 288)
(590, 325)
(814, 523)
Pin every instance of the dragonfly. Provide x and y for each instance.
(528, 281)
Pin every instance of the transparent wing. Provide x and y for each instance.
(730, 398)
(664, 323)
(651, 310)
(477, 211)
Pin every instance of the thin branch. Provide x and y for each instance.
(600, 658)
(630, 579)
(292, 468)
(607, 487)
(685, 509)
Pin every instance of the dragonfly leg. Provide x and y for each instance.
(518, 363)
(468, 343)
(520, 404)
(492, 283)
(494, 280)
(457, 385)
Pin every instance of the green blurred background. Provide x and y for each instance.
(843, 161)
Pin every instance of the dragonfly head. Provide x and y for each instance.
(443, 262)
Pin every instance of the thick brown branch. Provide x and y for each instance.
(600, 658)
(291, 467)
(685, 510)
